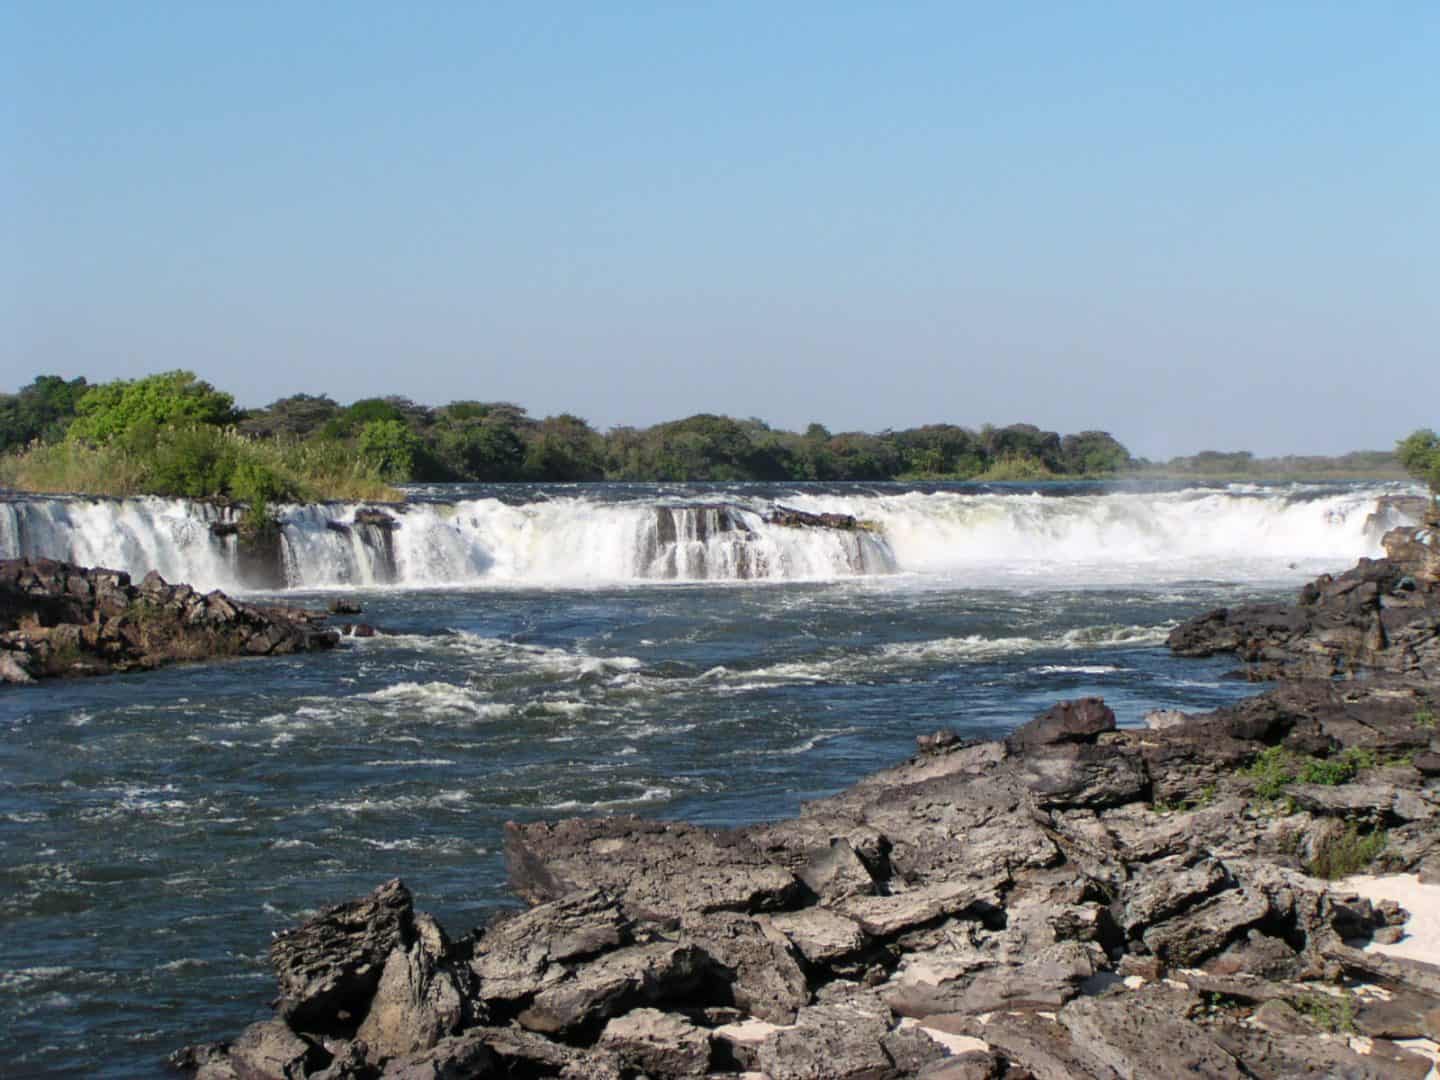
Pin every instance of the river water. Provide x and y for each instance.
(637, 649)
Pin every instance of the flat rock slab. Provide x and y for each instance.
(657, 868)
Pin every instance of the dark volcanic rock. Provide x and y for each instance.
(1382, 615)
(58, 619)
(803, 519)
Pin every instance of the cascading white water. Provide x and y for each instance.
(1239, 532)
(171, 536)
(579, 540)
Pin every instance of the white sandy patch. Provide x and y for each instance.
(1422, 929)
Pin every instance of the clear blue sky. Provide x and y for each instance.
(1195, 225)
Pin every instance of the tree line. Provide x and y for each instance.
(174, 433)
(187, 437)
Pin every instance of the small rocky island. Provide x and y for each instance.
(57, 619)
(1075, 901)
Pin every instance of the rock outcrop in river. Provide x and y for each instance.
(57, 619)
(1075, 901)
(1382, 615)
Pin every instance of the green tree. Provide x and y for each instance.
(389, 447)
(941, 450)
(1021, 442)
(175, 398)
(297, 417)
(1093, 452)
(565, 449)
(41, 410)
(1419, 453)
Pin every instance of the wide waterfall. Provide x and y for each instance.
(613, 536)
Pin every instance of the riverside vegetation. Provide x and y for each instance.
(175, 434)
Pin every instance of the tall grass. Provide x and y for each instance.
(198, 462)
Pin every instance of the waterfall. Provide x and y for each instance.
(599, 538)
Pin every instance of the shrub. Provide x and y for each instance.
(1328, 771)
(1272, 770)
(1017, 467)
(191, 461)
(1341, 852)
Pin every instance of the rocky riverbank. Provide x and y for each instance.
(57, 619)
(1382, 615)
(1074, 901)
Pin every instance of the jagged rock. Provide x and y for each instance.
(58, 619)
(886, 916)
(329, 967)
(527, 952)
(1205, 929)
(270, 1049)
(15, 667)
(938, 742)
(1165, 888)
(835, 872)
(662, 972)
(1383, 615)
(1027, 1041)
(1076, 775)
(820, 935)
(946, 982)
(763, 978)
(1270, 1054)
(840, 1040)
(419, 999)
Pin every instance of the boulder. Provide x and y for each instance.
(1068, 722)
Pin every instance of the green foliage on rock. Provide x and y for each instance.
(1274, 769)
